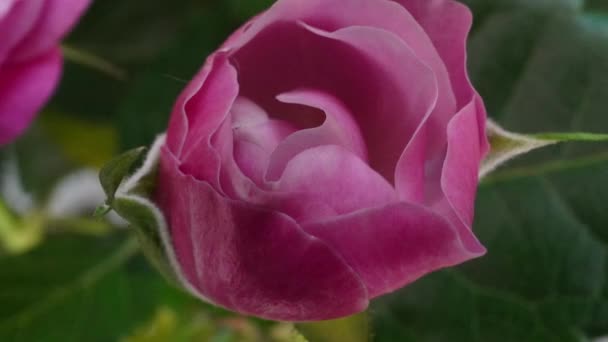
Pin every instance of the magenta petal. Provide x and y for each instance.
(332, 15)
(204, 112)
(57, 18)
(459, 177)
(250, 260)
(245, 112)
(178, 123)
(24, 89)
(330, 177)
(16, 23)
(447, 22)
(254, 144)
(403, 109)
(5, 7)
(392, 246)
(194, 101)
(339, 128)
(410, 172)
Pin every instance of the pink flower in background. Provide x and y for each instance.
(30, 59)
(326, 154)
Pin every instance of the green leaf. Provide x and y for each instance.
(541, 66)
(146, 225)
(75, 289)
(113, 173)
(131, 200)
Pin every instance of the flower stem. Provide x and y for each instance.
(94, 62)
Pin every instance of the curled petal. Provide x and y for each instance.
(199, 119)
(254, 144)
(329, 177)
(339, 128)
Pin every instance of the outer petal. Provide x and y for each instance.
(178, 122)
(459, 177)
(250, 260)
(447, 23)
(57, 18)
(24, 89)
(391, 246)
(204, 112)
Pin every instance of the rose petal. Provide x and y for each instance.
(387, 106)
(447, 23)
(205, 111)
(459, 177)
(254, 142)
(24, 89)
(395, 124)
(16, 22)
(245, 112)
(329, 177)
(392, 246)
(5, 6)
(56, 19)
(339, 128)
(332, 15)
(244, 258)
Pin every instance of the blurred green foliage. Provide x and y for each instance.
(541, 65)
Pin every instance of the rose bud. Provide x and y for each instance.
(327, 154)
(30, 58)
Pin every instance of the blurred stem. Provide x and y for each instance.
(94, 62)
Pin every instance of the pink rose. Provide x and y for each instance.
(30, 59)
(326, 154)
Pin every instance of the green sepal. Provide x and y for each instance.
(507, 145)
(129, 194)
(145, 226)
(115, 171)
